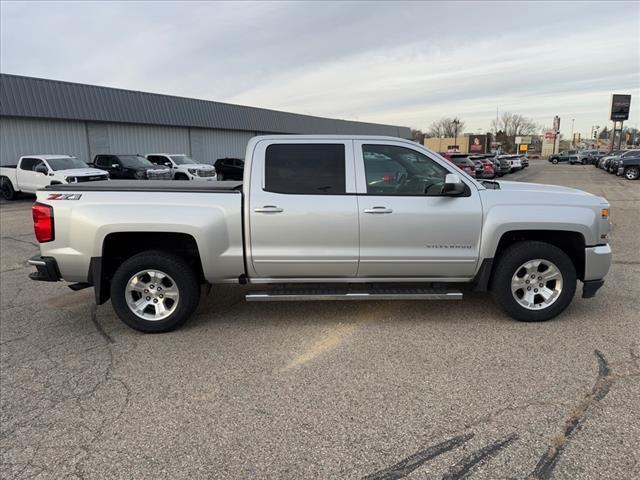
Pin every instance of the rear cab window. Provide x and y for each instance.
(305, 168)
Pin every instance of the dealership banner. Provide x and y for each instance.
(477, 143)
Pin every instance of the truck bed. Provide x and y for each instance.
(149, 186)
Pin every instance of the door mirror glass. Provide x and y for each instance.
(41, 169)
(452, 185)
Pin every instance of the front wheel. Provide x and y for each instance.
(632, 173)
(533, 281)
(154, 292)
(554, 161)
(6, 189)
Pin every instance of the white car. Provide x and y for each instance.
(34, 172)
(183, 167)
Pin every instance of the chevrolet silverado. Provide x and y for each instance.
(324, 218)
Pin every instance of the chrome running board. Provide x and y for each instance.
(313, 294)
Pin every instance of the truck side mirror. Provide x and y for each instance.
(453, 186)
(41, 169)
(115, 165)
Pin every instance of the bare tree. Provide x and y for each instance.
(417, 136)
(512, 124)
(445, 127)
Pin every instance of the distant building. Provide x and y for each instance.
(39, 116)
(465, 143)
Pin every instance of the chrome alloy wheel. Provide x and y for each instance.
(152, 295)
(536, 284)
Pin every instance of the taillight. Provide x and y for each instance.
(43, 222)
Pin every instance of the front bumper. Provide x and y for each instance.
(597, 261)
(47, 269)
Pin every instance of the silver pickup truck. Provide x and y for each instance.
(323, 218)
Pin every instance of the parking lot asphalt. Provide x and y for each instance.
(382, 390)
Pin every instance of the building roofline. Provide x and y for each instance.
(50, 98)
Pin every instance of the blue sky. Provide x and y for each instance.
(405, 63)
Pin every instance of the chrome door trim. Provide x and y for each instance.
(272, 280)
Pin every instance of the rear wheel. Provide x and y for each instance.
(220, 176)
(6, 189)
(534, 281)
(154, 292)
(632, 173)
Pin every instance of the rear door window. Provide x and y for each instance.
(28, 163)
(305, 169)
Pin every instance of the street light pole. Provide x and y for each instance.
(573, 142)
(456, 122)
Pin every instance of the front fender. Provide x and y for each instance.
(503, 219)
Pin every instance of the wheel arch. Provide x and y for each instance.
(119, 246)
(571, 242)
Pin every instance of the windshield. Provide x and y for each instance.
(134, 161)
(181, 159)
(66, 163)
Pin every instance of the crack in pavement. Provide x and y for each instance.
(547, 463)
(29, 242)
(99, 328)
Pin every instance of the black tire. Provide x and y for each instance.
(554, 161)
(221, 176)
(6, 189)
(632, 173)
(583, 162)
(184, 277)
(512, 258)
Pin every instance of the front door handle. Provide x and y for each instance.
(268, 209)
(378, 210)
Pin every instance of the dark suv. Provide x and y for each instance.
(229, 168)
(570, 156)
(132, 166)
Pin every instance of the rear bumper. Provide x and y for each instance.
(47, 269)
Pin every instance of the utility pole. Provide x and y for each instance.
(573, 140)
(456, 122)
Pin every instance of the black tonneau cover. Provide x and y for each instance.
(149, 186)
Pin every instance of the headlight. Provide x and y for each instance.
(140, 174)
(193, 171)
(70, 179)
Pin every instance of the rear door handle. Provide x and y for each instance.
(378, 210)
(268, 209)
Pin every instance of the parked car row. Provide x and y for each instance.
(33, 172)
(487, 166)
(582, 157)
(624, 163)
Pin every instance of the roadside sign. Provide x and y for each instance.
(524, 147)
(620, 105)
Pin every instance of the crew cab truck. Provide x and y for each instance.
(134, 167)
(37, 171)
(183, 167)
(337, 217)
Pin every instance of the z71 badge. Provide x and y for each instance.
(64, 196)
